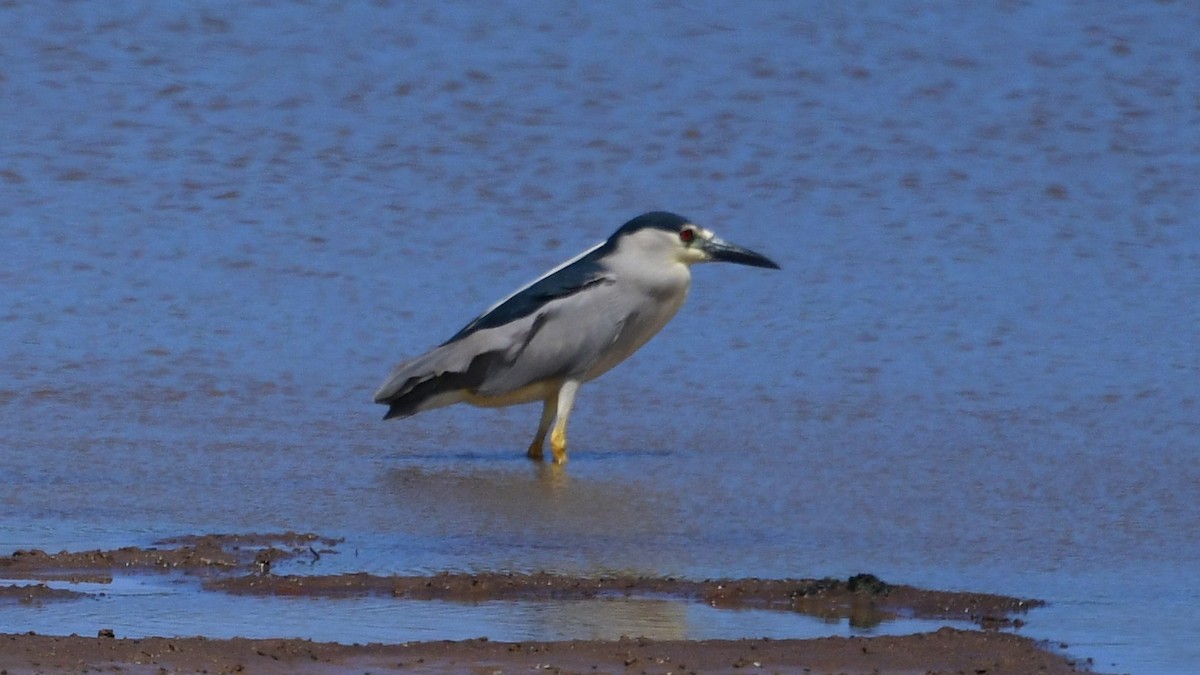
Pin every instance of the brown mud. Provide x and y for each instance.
(945, 651)
(242, 564)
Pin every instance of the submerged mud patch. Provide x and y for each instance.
(33, 594)
(194, 554)
(863, 604)
(242, 564)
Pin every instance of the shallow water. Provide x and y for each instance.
(147, 606)
(978, 369)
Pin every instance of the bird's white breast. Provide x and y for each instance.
(650, 293)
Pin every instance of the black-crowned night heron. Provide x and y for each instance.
(569, 326)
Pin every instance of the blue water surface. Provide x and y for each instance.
(978, 369)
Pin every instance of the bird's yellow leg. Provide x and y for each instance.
(549, 407)
(558, 437)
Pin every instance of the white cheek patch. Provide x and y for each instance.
(694, 254)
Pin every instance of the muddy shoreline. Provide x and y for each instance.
(945, 651)
(243, 564)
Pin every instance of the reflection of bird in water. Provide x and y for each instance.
(567, 327)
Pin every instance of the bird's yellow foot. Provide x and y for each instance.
(558, 445)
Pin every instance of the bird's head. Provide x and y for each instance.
(664, 233)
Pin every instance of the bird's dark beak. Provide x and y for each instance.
(722, 251)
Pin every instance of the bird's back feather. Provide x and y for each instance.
(569, 278)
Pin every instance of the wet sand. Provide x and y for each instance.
(947, 650)
(243, 564)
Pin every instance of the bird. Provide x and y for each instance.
(568, 326)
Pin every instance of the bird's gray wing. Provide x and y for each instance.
(567, 280)
(490, 356)
(565, 338)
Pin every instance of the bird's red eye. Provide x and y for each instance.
(687, 235)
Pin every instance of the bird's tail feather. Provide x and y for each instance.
(432, 381)
(422, 395)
